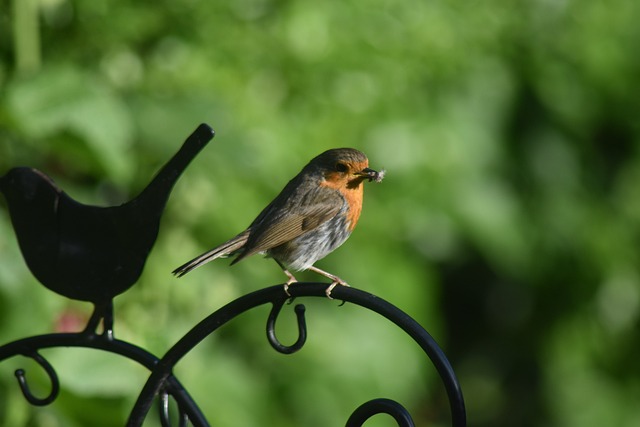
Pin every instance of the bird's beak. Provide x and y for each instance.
(370, 174)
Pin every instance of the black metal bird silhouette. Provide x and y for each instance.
(85, 252)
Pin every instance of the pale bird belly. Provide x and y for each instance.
(303, 251)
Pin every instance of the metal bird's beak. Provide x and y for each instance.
(370, 174)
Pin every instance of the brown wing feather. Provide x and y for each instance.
(292, 226)
(299, 215)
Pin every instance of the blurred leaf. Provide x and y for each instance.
(64, 99)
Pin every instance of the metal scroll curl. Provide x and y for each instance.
(30, 347)
(53, 377)
(276, 296)
(380, 406)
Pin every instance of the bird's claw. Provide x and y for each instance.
(288, 283)
(333, 285)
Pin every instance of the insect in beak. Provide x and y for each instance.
(371, 174)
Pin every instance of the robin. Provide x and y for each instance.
(312, 216)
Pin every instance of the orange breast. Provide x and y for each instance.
(354, 199)
(353, 196)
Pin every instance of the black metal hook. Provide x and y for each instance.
(53, 377)
(271, 326)
(380, 406)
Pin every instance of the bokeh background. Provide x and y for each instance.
(508, 223)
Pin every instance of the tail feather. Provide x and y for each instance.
(225, 249)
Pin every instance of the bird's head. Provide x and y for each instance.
(26, 184)
(345, 167)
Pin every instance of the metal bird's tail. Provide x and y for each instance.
(228, 248)
(155, 195)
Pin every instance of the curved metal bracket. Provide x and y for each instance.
(275, 295)
(53, 377)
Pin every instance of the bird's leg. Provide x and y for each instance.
(94, 320)
(335, 280)
(292, 278)
(107, 321)
(104, 312)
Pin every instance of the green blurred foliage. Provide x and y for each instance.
(508, 224)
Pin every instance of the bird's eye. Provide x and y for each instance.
(341, 167)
